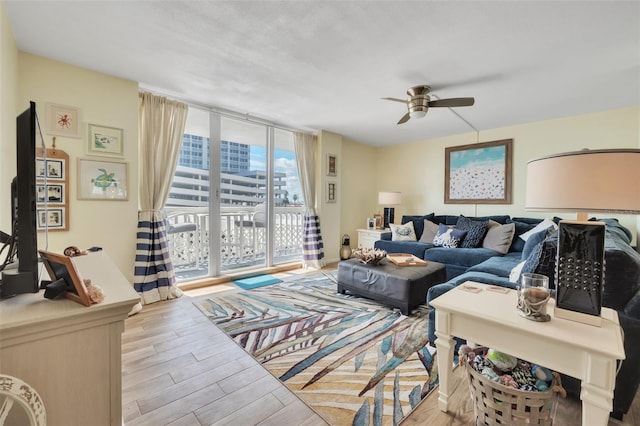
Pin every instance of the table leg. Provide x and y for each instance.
(596, 405)
(445, 346)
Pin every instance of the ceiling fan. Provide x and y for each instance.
(419, 102)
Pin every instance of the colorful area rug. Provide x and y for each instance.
(354, 361)
(255, 282)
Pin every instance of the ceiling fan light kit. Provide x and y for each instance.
(419, 101)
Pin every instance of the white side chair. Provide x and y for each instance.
(20, 404)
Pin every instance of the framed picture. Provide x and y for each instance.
(479, 173)
(53, 194)
(62, 269)
(54, 169)
(332, 194)
(104, 140)
(63, 120)
(377, 221)
(51, 218)
(102, 180)
(332, 165)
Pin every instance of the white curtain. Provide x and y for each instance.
(162, 124)
(312, 246)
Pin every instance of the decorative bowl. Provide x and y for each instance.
(369, 256)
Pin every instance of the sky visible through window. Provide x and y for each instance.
(285, 162)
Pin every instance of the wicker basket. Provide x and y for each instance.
(496, 404)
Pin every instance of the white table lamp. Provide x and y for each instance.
(388, 199)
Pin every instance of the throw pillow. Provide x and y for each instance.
(430, 231)
(418, 222)
(533, 241)
(402, 232)
(542, 259)
(514, 275)
(539, 227)
(499, 237)
(448, 237)
(476, 230)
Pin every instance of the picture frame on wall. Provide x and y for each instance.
(103, 140)
(102, 180)
(52, 194)
(63, 120)
(332, 165)
(51, 218)
(53, 169)
(332, 194)
(479, 173)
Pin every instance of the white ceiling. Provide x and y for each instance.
(314, 65)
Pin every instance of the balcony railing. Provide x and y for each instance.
(243, 238)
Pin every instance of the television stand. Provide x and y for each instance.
(69, 353)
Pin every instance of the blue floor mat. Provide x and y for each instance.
(255, 282)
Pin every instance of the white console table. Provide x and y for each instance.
(69, 353)
(368, 237)
(586, 352)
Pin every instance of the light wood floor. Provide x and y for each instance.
(179, 369)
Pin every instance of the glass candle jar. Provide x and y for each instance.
(533, 295)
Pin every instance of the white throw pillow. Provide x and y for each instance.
(539, 227)
(403, 232)
(514, 276)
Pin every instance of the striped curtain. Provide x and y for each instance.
(312, 246)
(161, 130)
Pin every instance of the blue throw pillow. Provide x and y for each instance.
(476, 230)
(448, 237)
(532, 242)
(542, 259)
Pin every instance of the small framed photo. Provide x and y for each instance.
(104, 140)
(332, 194)
(62, 269)
(378, 220)
(54, 169)
(371, 223)
(63, 120)
(332, 165)
(51, 218)
(102, 180)
(53, 194)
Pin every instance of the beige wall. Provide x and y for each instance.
(8, 112)
(103, 100)
(417, 169)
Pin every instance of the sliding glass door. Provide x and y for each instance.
(235, 202)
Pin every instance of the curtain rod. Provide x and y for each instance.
(223, 111)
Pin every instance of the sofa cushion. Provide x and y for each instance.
(402, 232)
(448, 237)
(464, 257)
(430, 231)
(499, 236)
(476, 230)
(418, 222)
(497, 265)
(517, 244)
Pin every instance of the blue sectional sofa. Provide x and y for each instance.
(621, 291)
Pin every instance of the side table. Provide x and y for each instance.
(490, 318)
(367, 237)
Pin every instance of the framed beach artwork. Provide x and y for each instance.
(478, 173)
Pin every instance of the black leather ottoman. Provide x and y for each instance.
(403, 287)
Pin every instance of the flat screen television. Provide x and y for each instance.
(24, 278)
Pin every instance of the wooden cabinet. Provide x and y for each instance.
(69, 353)
(367, 237)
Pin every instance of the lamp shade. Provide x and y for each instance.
(389, 198)
(588, 181)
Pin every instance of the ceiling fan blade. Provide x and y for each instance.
(404, 101)
(404, 118)
(453, 102)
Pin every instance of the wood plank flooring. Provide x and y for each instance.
(179, 369)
